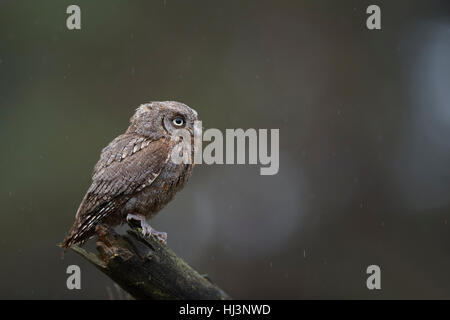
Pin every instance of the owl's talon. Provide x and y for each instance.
(160, 236)
(147, 230)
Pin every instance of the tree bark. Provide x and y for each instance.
(148, 269)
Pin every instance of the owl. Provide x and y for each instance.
(135, 176)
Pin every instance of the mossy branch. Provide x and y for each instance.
(148, 269)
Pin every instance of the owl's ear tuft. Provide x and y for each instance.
(148, 106)
(144, 107)
(140, 111)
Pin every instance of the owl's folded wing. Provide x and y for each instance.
(127, 165)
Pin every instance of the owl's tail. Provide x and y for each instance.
(80, 231)
(75, 237)
(84, 225)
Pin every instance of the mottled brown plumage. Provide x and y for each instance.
(135, 176)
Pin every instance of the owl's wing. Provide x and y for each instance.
(126, 165)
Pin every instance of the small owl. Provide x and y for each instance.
(135, 177)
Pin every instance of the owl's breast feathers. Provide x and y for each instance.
(126, 166)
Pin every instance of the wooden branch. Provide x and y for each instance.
(148, 269)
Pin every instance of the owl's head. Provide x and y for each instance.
(162, 118)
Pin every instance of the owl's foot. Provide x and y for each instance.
(159, 235)
(147, 230)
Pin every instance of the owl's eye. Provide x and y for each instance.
(178, 121)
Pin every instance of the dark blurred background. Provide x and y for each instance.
(364, 119)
